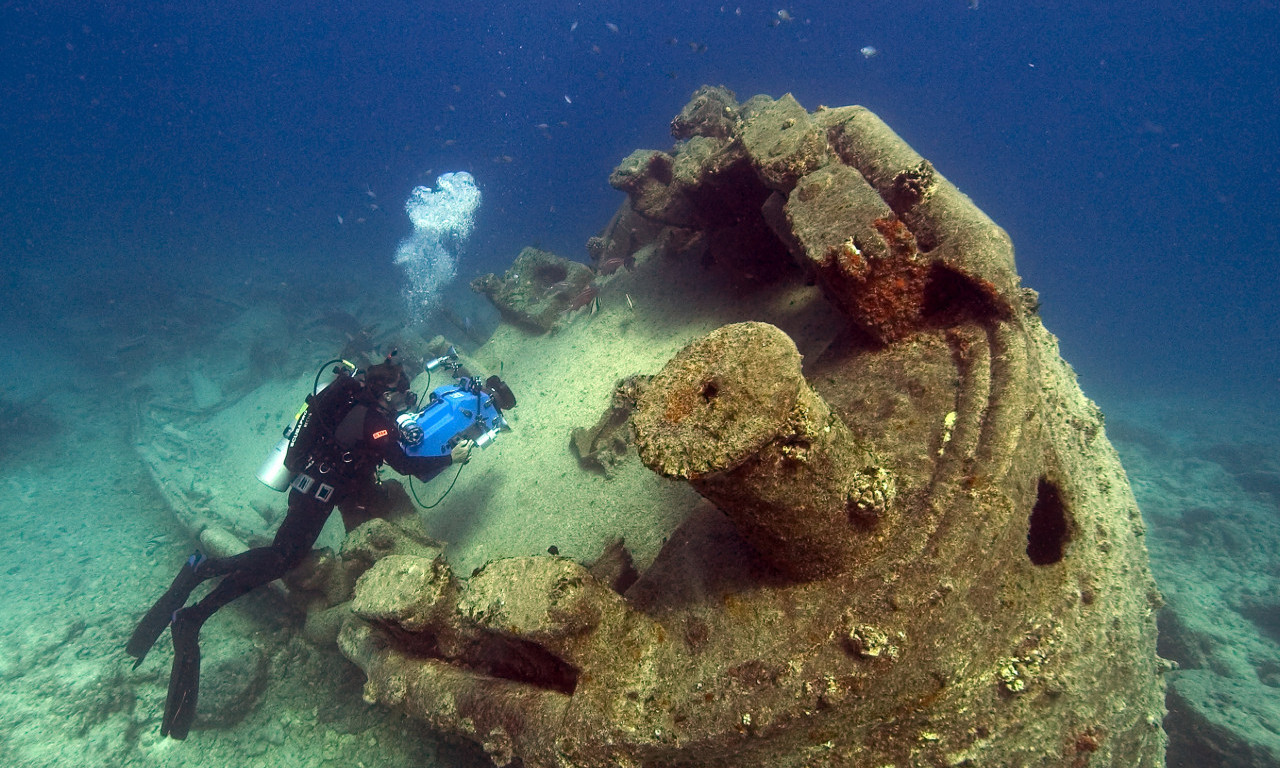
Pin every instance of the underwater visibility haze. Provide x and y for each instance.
(203, 202)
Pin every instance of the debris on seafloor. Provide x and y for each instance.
(538, 289)
(602, 446)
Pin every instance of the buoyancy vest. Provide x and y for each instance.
(358, 457)
(314, 435)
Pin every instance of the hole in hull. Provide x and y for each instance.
(1049, 530)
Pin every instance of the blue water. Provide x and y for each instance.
(1130, 150)
(154, 149)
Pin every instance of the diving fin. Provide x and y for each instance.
(152, 624)
(184, 681)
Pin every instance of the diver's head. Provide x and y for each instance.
(388, 385)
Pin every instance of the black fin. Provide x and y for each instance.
(184, 681)
(152, 624)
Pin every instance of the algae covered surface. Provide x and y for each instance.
(924, 551)
(932, 631)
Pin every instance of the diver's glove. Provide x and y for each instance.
(461, 452)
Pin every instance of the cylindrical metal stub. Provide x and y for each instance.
(718, 401)
(732, 414)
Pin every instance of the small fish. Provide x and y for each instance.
(340, 221)
(573, 26)
(368, 190)
(542, 126)
(868, 51)
(784, 14)
(612, 264)
(584, 297)
(611, 27)
(502, 94)
(567, 100)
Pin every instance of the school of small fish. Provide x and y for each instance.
(779, 17)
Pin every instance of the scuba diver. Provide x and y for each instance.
(348, 429)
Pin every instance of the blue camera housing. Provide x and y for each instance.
(455, 412)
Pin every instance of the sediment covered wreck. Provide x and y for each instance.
(895, 531)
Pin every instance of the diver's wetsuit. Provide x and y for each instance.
(341, 479)
(342, 469)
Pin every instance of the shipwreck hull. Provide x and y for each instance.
(975, 590)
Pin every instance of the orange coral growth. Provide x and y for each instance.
(884, 291)
(848, 259)
(892, 299)
(901, 242)
(1085, 744)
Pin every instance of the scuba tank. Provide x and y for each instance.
(273, 473)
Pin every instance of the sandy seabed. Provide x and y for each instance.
(88, 542)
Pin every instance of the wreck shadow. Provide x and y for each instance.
(705, 560)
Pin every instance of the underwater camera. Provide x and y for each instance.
(466, 410)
